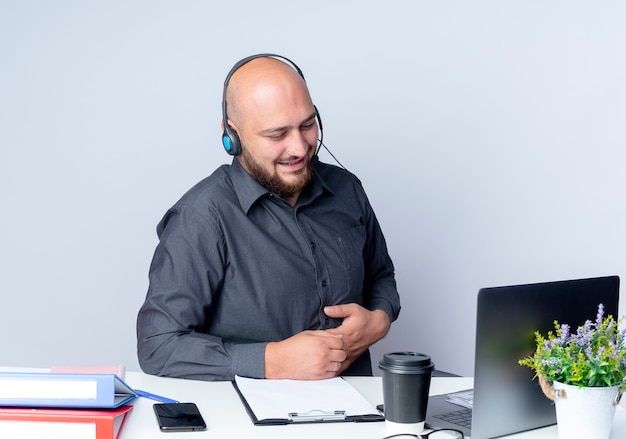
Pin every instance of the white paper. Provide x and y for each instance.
(464, 399)
(276, 399)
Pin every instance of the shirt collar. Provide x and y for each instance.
(249, 190)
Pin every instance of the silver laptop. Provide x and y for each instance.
(506, 399)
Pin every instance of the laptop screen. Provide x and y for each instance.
(506, 398)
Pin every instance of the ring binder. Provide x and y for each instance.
(41, 389)
(318, 416)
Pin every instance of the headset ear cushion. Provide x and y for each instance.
(231, 143)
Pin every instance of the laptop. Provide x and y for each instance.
(506, 399)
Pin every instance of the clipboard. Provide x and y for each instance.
(331, 400)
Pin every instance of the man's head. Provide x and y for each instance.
(270, 110)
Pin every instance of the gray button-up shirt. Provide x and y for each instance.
(237, 267)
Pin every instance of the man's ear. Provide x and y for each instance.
(230, 125)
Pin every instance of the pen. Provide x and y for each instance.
(159, 398)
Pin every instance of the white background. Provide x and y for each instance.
(489, 136)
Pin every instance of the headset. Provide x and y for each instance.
(230, 139)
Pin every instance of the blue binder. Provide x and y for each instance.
(26, 389)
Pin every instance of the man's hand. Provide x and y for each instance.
(309, 355)
(360, 329)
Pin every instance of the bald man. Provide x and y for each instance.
(274, 266)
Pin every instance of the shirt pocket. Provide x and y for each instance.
(351, 244)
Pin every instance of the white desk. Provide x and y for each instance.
(226, 417)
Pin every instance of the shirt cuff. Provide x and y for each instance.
(383, 305)
(248, 360)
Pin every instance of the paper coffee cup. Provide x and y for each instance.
(406, 383)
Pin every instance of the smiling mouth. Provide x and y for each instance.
(292, 163)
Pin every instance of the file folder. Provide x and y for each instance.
(117, 369)
(103, 391)
(282, 402)
(62, 423)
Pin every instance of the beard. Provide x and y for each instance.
(272, 181)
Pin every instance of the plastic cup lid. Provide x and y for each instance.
(406, 362)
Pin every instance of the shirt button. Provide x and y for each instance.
(312, 245)
(327, 321)
(324, 283)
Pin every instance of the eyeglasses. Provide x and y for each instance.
(435, 434)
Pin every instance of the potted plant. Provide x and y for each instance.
(583, 372)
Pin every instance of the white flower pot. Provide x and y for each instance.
(585, 412)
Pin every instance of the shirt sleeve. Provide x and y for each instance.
(379, 287)
(184, 280)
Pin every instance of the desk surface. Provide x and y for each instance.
(226, 417)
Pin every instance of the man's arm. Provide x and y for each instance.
(364, 325)
(185, 276)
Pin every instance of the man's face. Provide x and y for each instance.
(278, 133)
(282, 162)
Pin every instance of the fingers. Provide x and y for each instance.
(340, 311)
(360, 328)
(307, 355)
(335, 340)
(329, 346)
(333, 353)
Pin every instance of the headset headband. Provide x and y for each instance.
(230, 139)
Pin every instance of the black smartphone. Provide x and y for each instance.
(182, 416)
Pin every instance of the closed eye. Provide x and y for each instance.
(277, 135)
(308, 125)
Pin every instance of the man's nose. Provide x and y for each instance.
(298, 145)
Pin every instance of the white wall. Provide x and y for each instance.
(489, 135)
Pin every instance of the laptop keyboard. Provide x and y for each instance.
(461, 417)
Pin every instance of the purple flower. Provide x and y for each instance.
(600, 314)
(583, 331)
(583, 338)
(596, 347)
(549, 362)
(564, 332)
